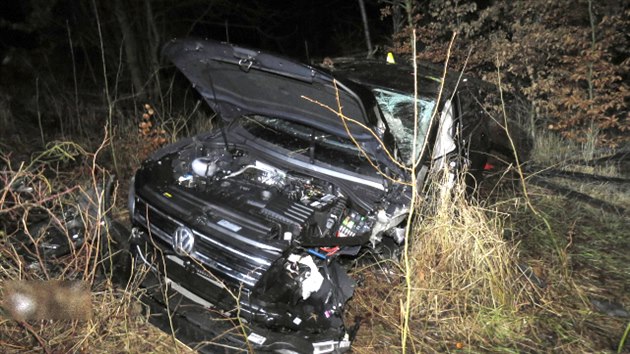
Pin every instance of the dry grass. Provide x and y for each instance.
(552, 150)
(117, 326)
(549, 149)
(466, 276)
(583, 256)
(42, 188)
(470, 288)
(467, 290)
(557, 153)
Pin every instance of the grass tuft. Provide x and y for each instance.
(467, 281)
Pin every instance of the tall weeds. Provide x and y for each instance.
(461, 278)
(466, 282)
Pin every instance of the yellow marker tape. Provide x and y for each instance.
(167, 195)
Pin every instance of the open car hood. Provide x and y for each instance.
(237, 81)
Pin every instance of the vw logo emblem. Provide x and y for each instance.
(183, 241)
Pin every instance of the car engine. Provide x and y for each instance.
(298, 207)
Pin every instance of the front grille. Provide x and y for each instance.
(229, 256)
(205, 288)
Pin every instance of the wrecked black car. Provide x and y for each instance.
(244, 226)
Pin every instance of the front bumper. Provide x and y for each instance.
(201, 326)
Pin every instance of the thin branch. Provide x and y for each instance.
(39, 339)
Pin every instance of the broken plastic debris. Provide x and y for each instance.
(314, 279)
(256, 338)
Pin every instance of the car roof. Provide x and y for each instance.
(399, 77)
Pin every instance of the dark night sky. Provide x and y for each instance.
(35, 50)
(330, 27)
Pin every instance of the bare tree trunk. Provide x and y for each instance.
(409, 11)
(153, 37)
(398, 19)
(131, 46)
(366, 29)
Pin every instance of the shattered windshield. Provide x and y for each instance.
(397, 108)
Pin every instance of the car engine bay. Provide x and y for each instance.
(295, 207)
